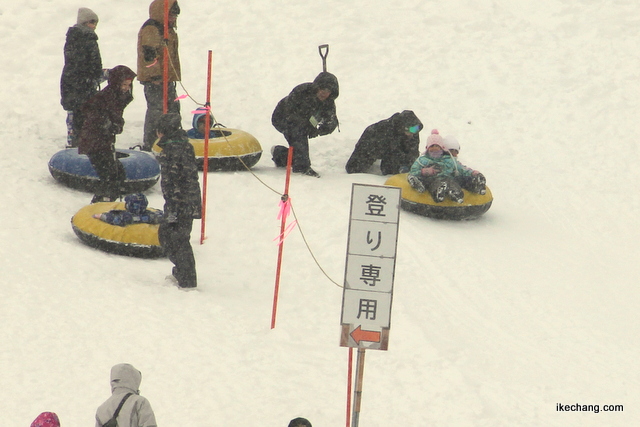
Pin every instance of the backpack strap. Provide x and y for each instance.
(115, 414)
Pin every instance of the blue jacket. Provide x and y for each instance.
(448, 166)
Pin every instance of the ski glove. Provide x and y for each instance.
(430, 171)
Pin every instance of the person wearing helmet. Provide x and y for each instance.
(475, 181)
(181, 191)
(308, 111)
(393, 141)
(135, 212)
(103, 120)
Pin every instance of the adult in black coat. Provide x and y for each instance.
(395, 141)
(103, 120)
(308, 111)
(181, 191)
(82, 72)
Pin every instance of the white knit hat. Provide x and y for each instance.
(451, 143)
(85, 15)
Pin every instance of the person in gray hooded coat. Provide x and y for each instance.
(136, 410)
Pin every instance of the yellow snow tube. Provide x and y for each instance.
(229, 150)
(473, 206)
(139, 240)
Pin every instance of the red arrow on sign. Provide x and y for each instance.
(359, 334)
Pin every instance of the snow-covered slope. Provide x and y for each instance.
(494, 322)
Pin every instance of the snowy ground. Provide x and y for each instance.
(494, 322)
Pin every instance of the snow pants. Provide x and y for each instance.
(299, 140)
(111, 173)
(154, 96)
(175, 239)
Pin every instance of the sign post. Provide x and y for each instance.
(369, 274)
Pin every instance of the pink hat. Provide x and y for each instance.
(434, 139)
(46, 419)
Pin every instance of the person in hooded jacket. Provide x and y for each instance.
(46, 419)
(151, 69)
(299, 422)
(136, 410)
(82, 72)
(308, 111)
(103, 120)
(181, 191)
(394, 141)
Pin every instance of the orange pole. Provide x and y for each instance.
(165, 61)
(283, 222)
(205, 165)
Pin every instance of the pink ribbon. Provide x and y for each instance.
(285, 233)
(181, 97)
(153, 63)
(285, 208)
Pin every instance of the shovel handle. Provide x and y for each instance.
(323, 49)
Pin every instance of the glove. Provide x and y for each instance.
(430, 171)
(171, 218)
(313, 133)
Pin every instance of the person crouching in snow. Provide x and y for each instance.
(475, 181)
(308, 111)
(135, 410)
(135, 212)
(181, 191)
(434, 171)
(395, 141)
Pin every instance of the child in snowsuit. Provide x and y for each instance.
(135, 212)
(181, 191)
(437, 172)
(199, 118)
(103, 120)
(308, 111)
(476, 182)
(136, 410)
(82, 72)
(46, 419)
(394, 141)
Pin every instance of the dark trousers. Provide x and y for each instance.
(154, 96)
(111, 173)
(175, 239)
(299, 140)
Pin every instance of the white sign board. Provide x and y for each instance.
(370, 266)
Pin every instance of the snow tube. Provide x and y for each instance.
(229, 150)
(74, 170)
(137, 240)
(474, 205)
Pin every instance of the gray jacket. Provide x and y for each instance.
(136, 411)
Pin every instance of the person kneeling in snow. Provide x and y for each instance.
(135, 212)
(439, 173)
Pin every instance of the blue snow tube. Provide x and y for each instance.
(75, 170)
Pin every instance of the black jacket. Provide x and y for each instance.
(82, 70)
(387, 140)
(179, 179)
(293, 112)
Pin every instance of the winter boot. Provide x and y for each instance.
(311, 172)
(440, 192)
(415, 183)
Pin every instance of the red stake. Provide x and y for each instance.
(205, 165)
(165, 61)
(283, 223)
